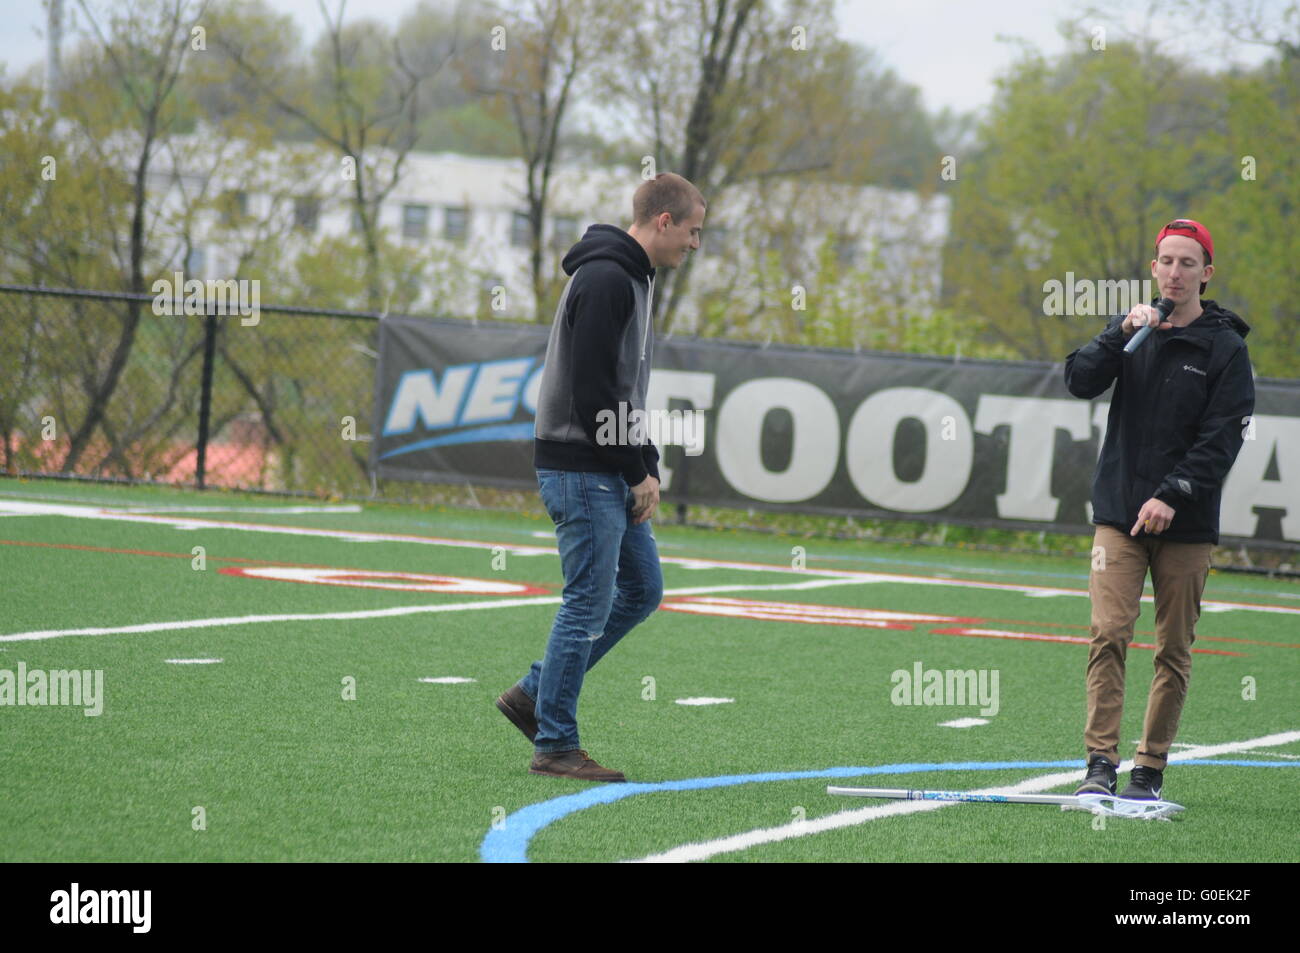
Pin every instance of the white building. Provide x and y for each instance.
(470, 213)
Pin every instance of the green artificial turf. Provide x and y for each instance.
(284, 767)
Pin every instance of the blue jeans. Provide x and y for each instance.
(612, 581)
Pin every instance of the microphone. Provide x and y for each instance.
(1165, 307)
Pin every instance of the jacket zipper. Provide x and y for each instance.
(1166, 366)
(649, 306)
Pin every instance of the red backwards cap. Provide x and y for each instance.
(1193, 230)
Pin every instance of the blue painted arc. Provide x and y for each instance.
(509, 842)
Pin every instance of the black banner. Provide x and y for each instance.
(998, 443)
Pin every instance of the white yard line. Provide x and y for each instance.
(282, 617)
(278, 510)
(194, 523)
(771, 835)
(223, 621)
(828, 577)
(758, 587)
(17, 507)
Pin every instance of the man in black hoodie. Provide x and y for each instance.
(1180, 410)
(596, 467)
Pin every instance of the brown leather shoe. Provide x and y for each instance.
(520, 709)
(572, 764)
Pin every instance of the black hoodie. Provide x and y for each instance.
(1178, 416)
(598, 359)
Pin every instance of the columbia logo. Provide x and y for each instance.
(1194, 370)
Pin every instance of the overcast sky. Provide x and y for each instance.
(951, 49)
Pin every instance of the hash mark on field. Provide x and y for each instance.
(449, 680)
(192, 661)
(705, 701)
(963, 723)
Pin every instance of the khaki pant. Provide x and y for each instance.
(1178, 572)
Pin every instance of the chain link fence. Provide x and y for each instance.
(131, 387)
(121, 387)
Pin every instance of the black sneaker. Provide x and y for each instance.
(1144, 784)
(1101, 777)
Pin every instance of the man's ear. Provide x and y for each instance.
(1209, 270)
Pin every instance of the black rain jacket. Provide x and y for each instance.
(1178, 416)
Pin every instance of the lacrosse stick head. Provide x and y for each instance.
(1112, 806)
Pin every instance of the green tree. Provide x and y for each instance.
(730, 93)
(1253, 216)
(538, 52)
(359, 93)
(1080, 162)
(120, 98)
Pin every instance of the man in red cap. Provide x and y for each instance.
(1181, 406)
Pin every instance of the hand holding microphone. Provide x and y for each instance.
(1143, 318)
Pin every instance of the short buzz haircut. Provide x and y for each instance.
(666, 192)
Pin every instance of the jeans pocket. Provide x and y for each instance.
(550, 483)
